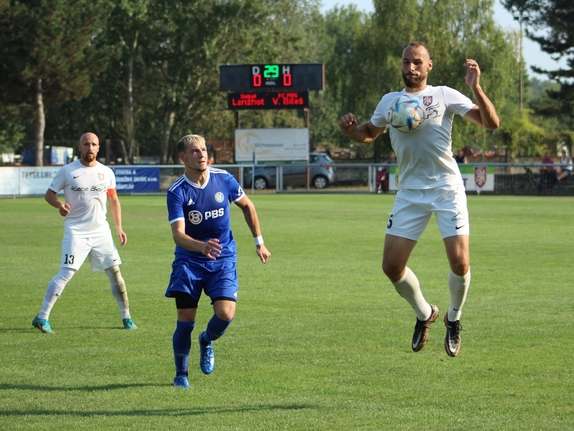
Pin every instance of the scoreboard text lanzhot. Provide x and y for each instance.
(274, 77)
(276, 100)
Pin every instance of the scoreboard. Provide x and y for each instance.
(272, 77)
(267, 100)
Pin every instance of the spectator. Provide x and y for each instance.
(382, 180)
(460, 157)
(548, 172)
(566, 162)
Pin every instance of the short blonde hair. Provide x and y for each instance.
(187, 140)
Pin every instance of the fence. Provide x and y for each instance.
(493, 178)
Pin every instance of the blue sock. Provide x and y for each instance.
(182, 345)
(215, 328)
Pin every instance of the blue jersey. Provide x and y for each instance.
(205, 211)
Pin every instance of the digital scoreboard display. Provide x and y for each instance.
(266, 77)
(261, 100)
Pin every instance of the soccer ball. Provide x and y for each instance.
(405, 113)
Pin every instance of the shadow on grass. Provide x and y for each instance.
(197, 411)
(6, 387)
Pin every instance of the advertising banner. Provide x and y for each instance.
(9, 180)
(36, 180)
(271, 145)
(476, 178)
(136, 179)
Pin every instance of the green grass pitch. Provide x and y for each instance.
(321, 340)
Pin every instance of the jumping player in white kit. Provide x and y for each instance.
(429, 182)
(87, 184)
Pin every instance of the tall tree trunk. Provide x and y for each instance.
(40, 124)
(166, 137)
(129, 113)
(129, 108)
(168, 127)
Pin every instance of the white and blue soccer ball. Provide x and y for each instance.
(405, 113)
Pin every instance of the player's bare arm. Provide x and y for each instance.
(116, 211)
(365, 132)
(484, 114)
(211, 248)
(52, 198)
(250, 215)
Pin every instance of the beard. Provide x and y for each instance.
(88, 157)
(413, 81)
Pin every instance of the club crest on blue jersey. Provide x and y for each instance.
(195, 217)
(219, 197)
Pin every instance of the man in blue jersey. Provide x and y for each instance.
(205, 252)
(429, 183)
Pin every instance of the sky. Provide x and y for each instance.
(533, 56)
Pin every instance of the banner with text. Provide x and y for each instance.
(36, 180)
(271, 145)
(131, 179)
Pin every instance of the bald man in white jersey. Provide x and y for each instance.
(87, 184)
(429, 182)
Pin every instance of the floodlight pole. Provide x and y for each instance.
(519, 16)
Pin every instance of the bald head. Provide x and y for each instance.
(89, 137)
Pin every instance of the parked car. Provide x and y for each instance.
(321, 173)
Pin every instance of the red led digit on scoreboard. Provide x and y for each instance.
(287, 77)
(257, 78)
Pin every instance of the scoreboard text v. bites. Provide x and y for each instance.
(274, 77)
(275, 100)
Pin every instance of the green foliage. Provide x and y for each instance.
(143, 73)
(321, 340)
(550, 23)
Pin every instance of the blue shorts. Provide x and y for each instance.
(218, 279)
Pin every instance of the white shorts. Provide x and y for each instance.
(100, 249)
(412, 211)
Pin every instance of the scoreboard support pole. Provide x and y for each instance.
(307, 116)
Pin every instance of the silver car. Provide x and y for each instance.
(321, 174)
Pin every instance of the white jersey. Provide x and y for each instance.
(566, 162)
(424, 156)
(85, 189)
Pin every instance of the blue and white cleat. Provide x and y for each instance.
(181, 382)
(129, 323)
(43, 325)
(206, 357)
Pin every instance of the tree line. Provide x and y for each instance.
(143, 73)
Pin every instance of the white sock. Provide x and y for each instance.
(409, 288)
(458, 286)
(118, 287)
(54, 290)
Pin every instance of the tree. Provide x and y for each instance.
(370, 59)
(48, 45)
(550, 23)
